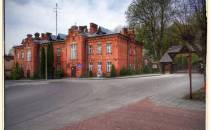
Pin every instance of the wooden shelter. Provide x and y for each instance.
(167, 60)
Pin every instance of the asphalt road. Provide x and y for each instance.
(53, 104)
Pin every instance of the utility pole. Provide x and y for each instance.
(190, 72)
(56, 18)
(46, 63)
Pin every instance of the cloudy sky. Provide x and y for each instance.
(30, 16)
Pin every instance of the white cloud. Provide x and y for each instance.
(23, 17)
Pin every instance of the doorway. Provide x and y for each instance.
(28, 74)
(73, 71)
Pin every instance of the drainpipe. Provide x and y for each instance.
(128, 62)
(87, 69)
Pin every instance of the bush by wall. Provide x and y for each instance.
(35, 75)
(123, 72)
(113, 71)
(147, 69)
(90, 74)
(17, 72)
(59, 74)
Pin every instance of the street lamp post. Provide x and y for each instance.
(46, 63)
(190, 72)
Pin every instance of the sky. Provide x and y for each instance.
(24, 17)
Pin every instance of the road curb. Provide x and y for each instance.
(124, 77)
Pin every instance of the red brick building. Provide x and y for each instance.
(82, 50)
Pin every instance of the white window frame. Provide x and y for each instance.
(99, 48)
(108, 66)
(134, 51)
(90, 67)
(130, 50)
(90, 49)
(29, 55)
(58, 51)
(18, 56)
(22, 54)
(100, 66)
(74, 51)
(108, 48)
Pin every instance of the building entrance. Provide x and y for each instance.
(28, 73)
(73, 71)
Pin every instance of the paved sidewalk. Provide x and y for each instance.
(144, 115)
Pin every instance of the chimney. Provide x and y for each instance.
(124, 31)
(29, 36)
(36, 35)
(82, 28)
(131, 33)
(48, 34)
(93, 28)
(74, 27)
(44, 36)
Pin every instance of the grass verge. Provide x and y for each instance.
(197, 95)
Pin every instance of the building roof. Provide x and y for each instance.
(175, 49)
(61, 36)
(180, 48)
(165, 58)
(101, 31)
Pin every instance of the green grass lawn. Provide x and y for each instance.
(198, 95)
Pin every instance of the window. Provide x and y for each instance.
(130, 50)
(108, 66)
(108, 48)
(134, 51)
(22, 55)
(18, 56)
(90, 49)
(58, 59)
(90, 67)
(73, 51)
(58, 55)
(99, 66)
(29, 55)
(99, 48)
(58, 52)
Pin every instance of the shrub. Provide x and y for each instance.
(123, 71)
(17, 72)
(113, 71)
(90, 73)
(139, 71)
(147, 69)
(59, 74)
(35, 76)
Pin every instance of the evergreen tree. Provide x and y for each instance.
(113, 71)
(17, 72)
(42, 63)
(50, 60)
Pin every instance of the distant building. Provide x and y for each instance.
(8, 65)
(82, 50)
